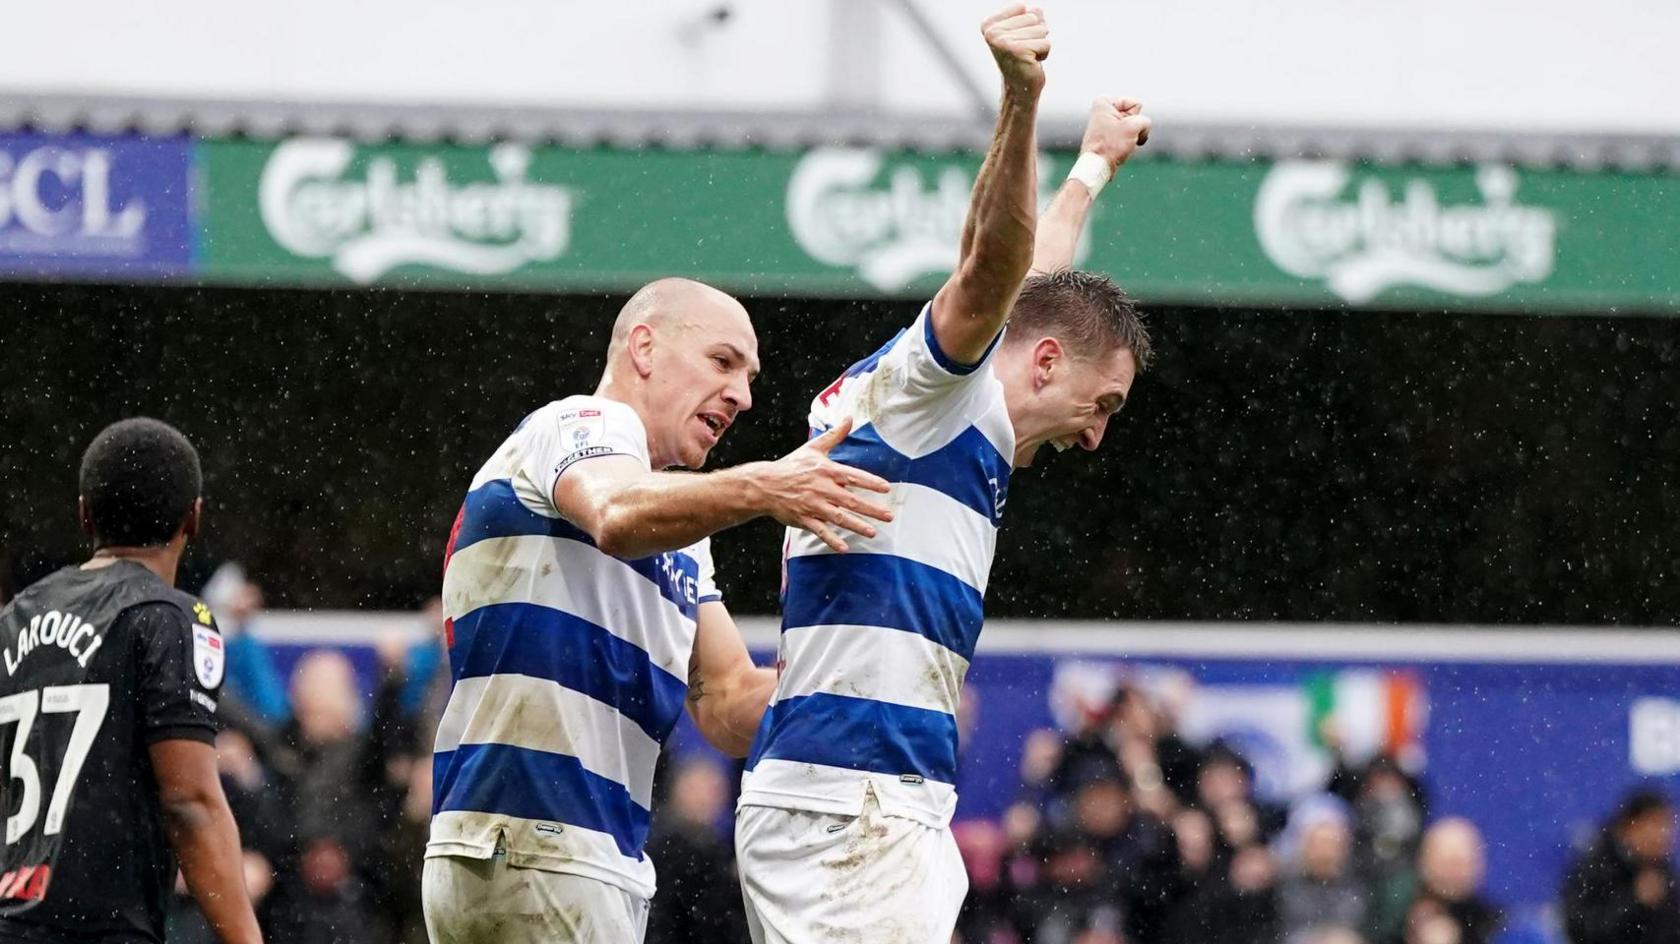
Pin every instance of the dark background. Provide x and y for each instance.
(1294, 465)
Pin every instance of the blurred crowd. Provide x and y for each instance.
(331, 790)
(1126, 833)
(1123, 832)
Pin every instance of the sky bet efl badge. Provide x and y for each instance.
(580, 435)
(208, 656)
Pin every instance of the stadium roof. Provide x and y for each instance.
(792, 130)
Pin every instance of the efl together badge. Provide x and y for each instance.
(209, 656)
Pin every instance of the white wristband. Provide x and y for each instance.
(1092, 171)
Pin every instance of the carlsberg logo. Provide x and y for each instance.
(892, 229)
(369, 226)
(1366, 240)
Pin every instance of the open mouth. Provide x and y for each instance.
(715, 422)
(1062, 445)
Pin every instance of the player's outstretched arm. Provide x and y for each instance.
(997, 237)
(1117, 127)
(631, 512)
(200, 828)
(727, 693)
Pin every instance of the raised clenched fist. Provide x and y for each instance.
(1116, 128)
(1020, 41)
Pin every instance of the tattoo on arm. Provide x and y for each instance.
(696, 683)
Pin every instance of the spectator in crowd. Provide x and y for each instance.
(1387, 820)
(1446, 906)
(700, 899)
(1230, 901)
(1320, 890)
(344, 787)
(1138, 852)
(1162, 766)
(1225, 789)
(1621, 891)
(421, 661)
(1071, 898)
(250, 677)
(1041, 763)
(1388, 817)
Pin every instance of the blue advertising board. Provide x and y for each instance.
(95, 207)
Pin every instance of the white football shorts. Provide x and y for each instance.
(487, 901)
(814, 878)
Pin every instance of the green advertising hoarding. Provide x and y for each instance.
(856, 222)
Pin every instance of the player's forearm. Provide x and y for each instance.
(1059, 227)
(668, 511)
(1002, 216)
(997, 245)
(206, 840)
(729, 718)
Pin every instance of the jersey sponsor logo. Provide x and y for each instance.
(681, 576)
(53, 628)
(580, 427)
(209, 656)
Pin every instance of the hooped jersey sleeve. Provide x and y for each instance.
(910, 392)
(567, 432)
(927, 368)
(702, 554)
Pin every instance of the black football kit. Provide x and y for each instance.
(96, 665)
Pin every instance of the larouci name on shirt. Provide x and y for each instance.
(54, 628)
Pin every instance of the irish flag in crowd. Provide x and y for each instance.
(1371, 712)
(1280, 726)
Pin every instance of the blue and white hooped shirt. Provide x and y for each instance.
(875, 642)
(570, 666)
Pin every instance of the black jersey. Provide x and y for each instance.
(95, 666)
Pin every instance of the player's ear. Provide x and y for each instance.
(1047, 354)
(84, 516)
(195, 517)
(640, 349)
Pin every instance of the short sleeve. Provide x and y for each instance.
(909, 395)
(570, 431)
(182, 660)
(927, 368)
(702, 554)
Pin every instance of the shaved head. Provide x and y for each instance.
(667, 304)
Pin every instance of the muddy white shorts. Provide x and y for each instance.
(487, 901)
(814, 878)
